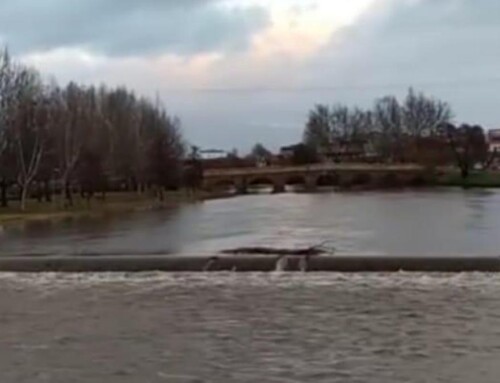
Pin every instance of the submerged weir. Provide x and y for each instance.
(247, 263)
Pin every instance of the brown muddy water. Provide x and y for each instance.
(274, 327)
(434, 222)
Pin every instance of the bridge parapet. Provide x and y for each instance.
(310, 176)
(312, 168)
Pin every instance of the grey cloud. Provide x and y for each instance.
(448, 48)
(128, 27)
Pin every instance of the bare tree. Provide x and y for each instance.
(340, 121)
(146, 117)
(90, 170)
(5, 90)
(468, 145)
(72, 119)
(193, 171)
(125, 121)
(28, 128)
(319, 129)
(361, 123)
(389, 122)
(6, 77)
(136, 130)
(423, 115)
(260, 152)
(81, 137)
(166, 148)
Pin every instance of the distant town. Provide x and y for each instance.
(418, 131)
(66, 148)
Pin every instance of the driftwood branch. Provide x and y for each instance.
(319, 249)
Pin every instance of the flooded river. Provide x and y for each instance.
(225, 328)
(444, 222)
(274, 327)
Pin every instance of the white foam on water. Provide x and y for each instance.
(279, 278)
(281, 264)
(303, 264)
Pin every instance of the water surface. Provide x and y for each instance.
(219, 328)
(433, 222)
(275, 327)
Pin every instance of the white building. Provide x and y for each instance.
(494, 140)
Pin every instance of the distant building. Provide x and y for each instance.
(299, 154)
(340, 150)
(210, 154)
(493, 139)
(228, 162)
(352, 150)
(287, 152)
(212, 159)
(428, 150)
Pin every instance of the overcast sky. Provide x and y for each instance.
(241, 71)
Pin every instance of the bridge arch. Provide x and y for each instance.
(224, 185)
(390, 180)
(260, 181)
(261, 184)
(418, 180)
(322, 175)
(361, 179)
(295, 180)
(328, 180)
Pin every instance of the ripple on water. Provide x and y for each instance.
(227, 327)
(278, 279)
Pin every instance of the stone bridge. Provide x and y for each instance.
(313, 176)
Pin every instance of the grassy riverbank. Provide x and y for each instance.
(124, 202)
(477, 179)
(114, 203)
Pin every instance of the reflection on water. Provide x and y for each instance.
(446, 222)
(225, 328)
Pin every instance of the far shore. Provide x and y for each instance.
(112, 204)
(130, 202)
(477, 179)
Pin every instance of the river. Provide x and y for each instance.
(274, 327)
(433, 222)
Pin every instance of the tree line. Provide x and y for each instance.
(53, 139)
(397, 131)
